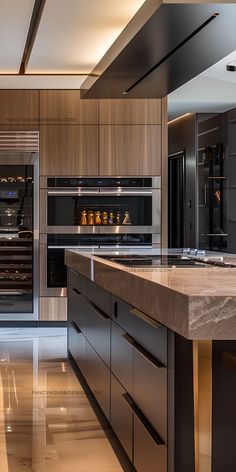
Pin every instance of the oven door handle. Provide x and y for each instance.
(126, 192)
(72, 247)
(68, 193)
(125, 246)
(10, 292)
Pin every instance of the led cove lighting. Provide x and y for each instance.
(179, 118)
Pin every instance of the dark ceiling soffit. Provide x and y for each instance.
(168, 26)
(132, 28)
(189, 37)
(49, 74)
(33, 28)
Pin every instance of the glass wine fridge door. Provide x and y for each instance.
(16, 239)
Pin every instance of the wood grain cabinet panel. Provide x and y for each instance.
(65, 107)
(69, 150)
(19, 107)
(53, 308)
(130, 150)
(130, 111)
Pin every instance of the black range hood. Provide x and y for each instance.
(176, 43)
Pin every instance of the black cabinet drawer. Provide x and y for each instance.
(77, 281)
(77, 308)
(98, 379)
(148, 455)
(151, 335)
(98, 330)
(150, 392)
(121, 416)
(146, 331)
(100, 297)
(121, 314)
(121, 357)
(77, 346)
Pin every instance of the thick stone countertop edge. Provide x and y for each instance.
(187, 301)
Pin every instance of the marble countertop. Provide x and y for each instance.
(198, 303)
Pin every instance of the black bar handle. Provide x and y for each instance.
(141, 350)
(76, 291)
(98, 311)
(145, 422)
(76, 327)
(115, 309)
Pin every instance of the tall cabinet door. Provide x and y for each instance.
(69, 150)
(130, 111)
(19, 107)
(130, 136)
(130, 149)
(66, 107)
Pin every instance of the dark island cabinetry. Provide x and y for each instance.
(127, 359)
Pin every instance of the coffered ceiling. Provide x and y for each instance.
(71, 38)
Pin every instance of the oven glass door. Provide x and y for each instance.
(57, 243)
(66, 210)
(56, 269)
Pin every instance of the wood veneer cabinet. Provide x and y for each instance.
(19, 107)
(53, 308)
(130, 111)
(130, 149)
(65, 107)
(69, 150)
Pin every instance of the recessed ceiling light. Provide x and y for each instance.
(231, 67)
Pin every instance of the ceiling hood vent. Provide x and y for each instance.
(174, 44)
(196, 31)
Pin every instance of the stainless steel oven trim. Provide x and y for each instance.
(72, 247)
(120, 246)
(73, 192)
(30, 158)
(50, 291)
(129, 229)
(72, 230)
(124, 191)
(122, 229)
(156, 180)
(44, 228)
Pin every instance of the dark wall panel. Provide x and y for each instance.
(181, 136)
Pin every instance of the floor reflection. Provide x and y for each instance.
(46, 421)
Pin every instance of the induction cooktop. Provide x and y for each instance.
(170, 260)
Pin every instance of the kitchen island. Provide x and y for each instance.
(157, 348)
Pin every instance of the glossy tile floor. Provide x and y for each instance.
(46, 421)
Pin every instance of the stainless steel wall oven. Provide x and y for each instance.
(94, 212)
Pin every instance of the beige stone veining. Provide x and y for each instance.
(198, 303)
